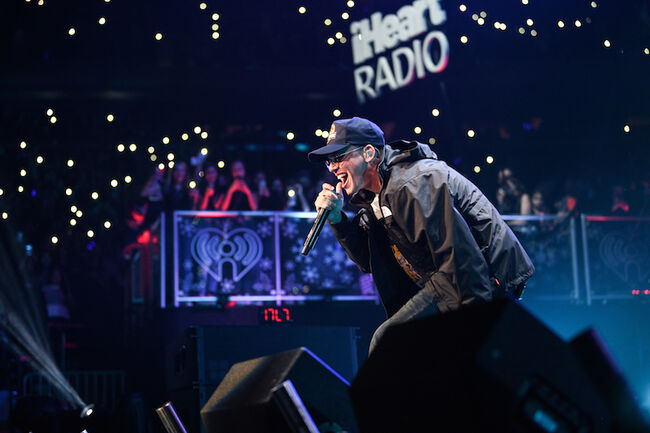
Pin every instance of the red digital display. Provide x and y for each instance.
(276, 315)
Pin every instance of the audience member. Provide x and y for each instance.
(239, 196)
(211, 193)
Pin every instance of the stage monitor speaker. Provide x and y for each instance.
(244, 403)
(485, 368)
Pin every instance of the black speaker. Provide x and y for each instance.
(244, 403)
(198, 360)
(485, 368)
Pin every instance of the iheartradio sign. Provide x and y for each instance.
(379, 47)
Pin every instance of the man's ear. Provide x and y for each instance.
(369, 153)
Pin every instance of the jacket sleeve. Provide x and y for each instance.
(505, 255)
(354, 240)
(423, 209)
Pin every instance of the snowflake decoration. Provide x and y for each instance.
(266, 264)
(278, 292)
(328, 283)
(346, 277)
(264, 229)
(310, 274)
(227, 286)
(290, 230)
(187, 226)
(289, 266)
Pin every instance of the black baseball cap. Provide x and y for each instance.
(346, 132)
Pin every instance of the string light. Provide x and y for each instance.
(161, 166)
(221, 164)
(94, 195)
(578, 23)
(350, 3)
(215, 35)
(73, 222)
(626, 128)
(302, 10)
(646, 51)
(1, 191)
(290, 136)
(73, 208)
(203, 6)
(127, 179)
(110, 117)
(345, 15)
(330, 41)
(79, 213)
(192, 184)
(529, 22)
(170, 164)
(114, 183)
(318, 132)
(338, 35)
(325, 134)
(533, 32)
(594, 5)
(470, 133)
(215, 27)
(107, 224)
(39, 159)
(72, 31)
(477, 169)
(489, 159)
(53, 119)
(153, 158)
(560, 24)
(170, 156)
(5, 215)
(197, 129)
(90, 233)
(70, 163)
(68, 191)
(435, 112)
(432, 140)
(463, 39)
(185, 136)
(132, 147)
(336, 112)
(151, 149)
(20, 188)
(165, 140)
(23, 145)
(204, 151)
(158, 36)
(54, 239)
(417, 130)
(480, 21)
(462, 8)
(607, 43)
(204, 135)
(23, 172)
(215, 17)
(327, 22)
(49, 112)
(120, 147)
(102, 21)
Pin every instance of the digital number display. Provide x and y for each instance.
(276, 315)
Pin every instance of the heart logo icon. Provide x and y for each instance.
(627, 255)
(240, 249)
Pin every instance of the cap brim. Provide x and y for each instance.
(320, 155)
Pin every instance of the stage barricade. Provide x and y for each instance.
(254, 257)
(616, 255)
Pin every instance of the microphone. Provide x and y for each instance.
(316, 228)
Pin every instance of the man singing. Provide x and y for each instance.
(432, 241)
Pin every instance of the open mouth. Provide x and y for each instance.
(343, 178)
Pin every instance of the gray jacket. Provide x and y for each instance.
(442, 224)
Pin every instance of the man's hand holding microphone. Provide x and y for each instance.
(331, 199)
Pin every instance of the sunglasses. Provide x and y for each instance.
(339, 157)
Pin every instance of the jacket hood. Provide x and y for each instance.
(406, 151)
(397, 152)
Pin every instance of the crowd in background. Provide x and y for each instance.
(205, 187)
